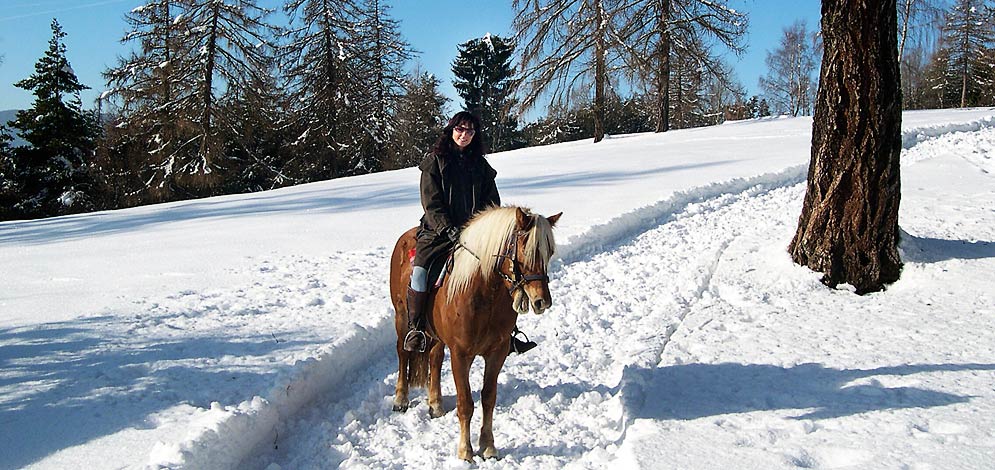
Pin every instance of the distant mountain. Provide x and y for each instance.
(9, 115)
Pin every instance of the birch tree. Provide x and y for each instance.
(788, 83)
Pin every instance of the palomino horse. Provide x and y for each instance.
(498, 272)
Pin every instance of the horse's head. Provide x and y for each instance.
(525, 262)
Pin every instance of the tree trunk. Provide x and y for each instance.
(663, 77)
(600, 75)
(848, 228)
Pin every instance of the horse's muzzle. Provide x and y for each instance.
(540, 305)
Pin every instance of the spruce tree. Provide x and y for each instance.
(8, 190)
(483, 73)
(418, 120)
(968, 40)
(52, 173)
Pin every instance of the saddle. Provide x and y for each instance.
(438, 266)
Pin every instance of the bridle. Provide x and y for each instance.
(517, 279)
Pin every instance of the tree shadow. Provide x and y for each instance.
(933, 250)
(694, 391)
(355, 197)
(67, 383)
(521, 186)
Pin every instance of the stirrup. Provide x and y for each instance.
(415, 341)
(519, 346)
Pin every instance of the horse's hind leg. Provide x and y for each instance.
(436, 356)
(488, 399)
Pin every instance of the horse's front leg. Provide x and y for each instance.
(464, 401)
(401, 389)
(488, 398)
(436, 355)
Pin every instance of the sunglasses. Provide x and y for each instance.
(465, 130)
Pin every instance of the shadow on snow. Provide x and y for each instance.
(694, 391)
(69, 383)
(933, 250)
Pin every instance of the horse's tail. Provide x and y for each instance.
(418, 369)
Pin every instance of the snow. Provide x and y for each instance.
(254, 331)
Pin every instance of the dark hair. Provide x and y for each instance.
(445, 145)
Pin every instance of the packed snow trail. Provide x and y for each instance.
(560, 403)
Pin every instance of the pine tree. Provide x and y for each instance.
(52, 173)
(233, 45)
(9, 193)
(483, 72)
(790, 66)
(257, 153)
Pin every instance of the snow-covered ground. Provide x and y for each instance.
(254, 331)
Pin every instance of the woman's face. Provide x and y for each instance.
(463, 134)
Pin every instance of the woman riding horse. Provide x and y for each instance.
(456, 183)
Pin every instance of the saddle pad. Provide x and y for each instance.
(436, 266)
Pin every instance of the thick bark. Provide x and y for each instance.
(848, 228)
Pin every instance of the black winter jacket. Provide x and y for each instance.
(453, 189)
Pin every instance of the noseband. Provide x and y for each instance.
(516, 279)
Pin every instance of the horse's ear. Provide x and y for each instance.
(552, 219)
(525, 221)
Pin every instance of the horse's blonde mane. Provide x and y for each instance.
(486, 235)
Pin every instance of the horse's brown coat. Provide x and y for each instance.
(475, 322)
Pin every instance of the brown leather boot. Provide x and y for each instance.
(416, 340)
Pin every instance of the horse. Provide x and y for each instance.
(498, 271)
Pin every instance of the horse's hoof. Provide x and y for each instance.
(489, 453)
(399, 408)
(436, 413)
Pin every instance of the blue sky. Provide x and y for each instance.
(434, 28)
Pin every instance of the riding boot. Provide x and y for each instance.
(519, 346)
(416, 340)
